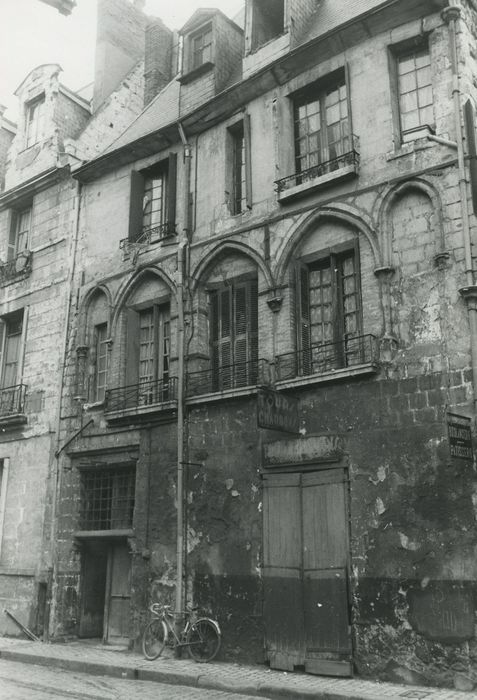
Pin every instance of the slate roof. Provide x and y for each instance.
(164, 108)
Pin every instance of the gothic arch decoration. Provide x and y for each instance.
(385, 205)
(222, 250)
(85, 308)
(336, 213)
(133, 283)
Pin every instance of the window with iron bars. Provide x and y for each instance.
(107, 498)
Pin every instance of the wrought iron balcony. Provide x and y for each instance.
(12, 401)
(328, 357)
(17, 268)
(340, 166)
(217, 379)
(147, 237)
(144, 394)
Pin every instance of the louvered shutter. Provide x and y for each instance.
(214, 338)
(2, 346)
(240, 335)
(247, 134)
(253, 331)
(136, 199)
(225, 339)
(171, 193)
(303, 313)
(132, 342)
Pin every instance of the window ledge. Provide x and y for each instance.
(221, 395)
(316, 183)
(85, 534)
(420, 142)
(332, 376)
(139, 412)
(196, 72)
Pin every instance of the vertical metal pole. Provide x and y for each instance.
(181, 374)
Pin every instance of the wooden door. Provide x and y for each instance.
(93, 586)
(325, 580)
(282, 559)
(118, 599)
(306, 606)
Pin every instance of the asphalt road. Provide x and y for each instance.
(19, 681)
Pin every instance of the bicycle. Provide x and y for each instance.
(202, 636)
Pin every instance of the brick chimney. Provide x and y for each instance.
(158, 58)
(119, 45)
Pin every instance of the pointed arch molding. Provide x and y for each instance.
(222, 249)
(130, 285)
(84, 309)
(358, 220)
(384, 205)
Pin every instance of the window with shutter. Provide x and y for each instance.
(152, 210)
(329, 313)
(101, 360)
(19, 237)
(240, 178)
(149, 352)
(234, 335)
(12, 341)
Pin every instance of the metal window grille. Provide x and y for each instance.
(107, 499)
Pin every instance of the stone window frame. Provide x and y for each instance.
(397, 52)
(4, 473)
(238, 185)
(15, 231)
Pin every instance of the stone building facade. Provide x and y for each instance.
(39, 211)
(289, 222)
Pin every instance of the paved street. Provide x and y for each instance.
(19, 681)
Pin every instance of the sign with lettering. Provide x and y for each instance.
(460, 436)
(276, 411)
(309, 450)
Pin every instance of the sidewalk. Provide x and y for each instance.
(260, 681)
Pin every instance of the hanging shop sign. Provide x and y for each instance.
(460, 436)
(275, 411)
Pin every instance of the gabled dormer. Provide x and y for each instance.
(272, 28)
(212, 48)
(49, 113)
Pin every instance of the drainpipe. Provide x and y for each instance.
(451, 16)
(181, 427)
(56, 471)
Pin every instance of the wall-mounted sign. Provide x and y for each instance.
(275, 411)
(460, 436)
(309, 450)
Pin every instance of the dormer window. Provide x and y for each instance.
(201, 47)
(35, 113)
(268, 21)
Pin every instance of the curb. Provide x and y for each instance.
(196, 680)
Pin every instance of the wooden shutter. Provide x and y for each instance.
(240, 334)
(12, 234)
(221, 336)
(171, 192)
(348, 98)
(2, 346)
(248, 160)
(132, 344)
(136, 198)
(303, 314)
(472, 151)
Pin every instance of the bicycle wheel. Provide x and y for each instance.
(154, 639)
(203, 640)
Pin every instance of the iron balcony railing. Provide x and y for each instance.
(350, 158)
(328, 357)
(236, 376)
(12, 400)
(148, 236)
(16, 268)
(143, 394)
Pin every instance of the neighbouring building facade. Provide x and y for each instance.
(288, 224)
(39, 212)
